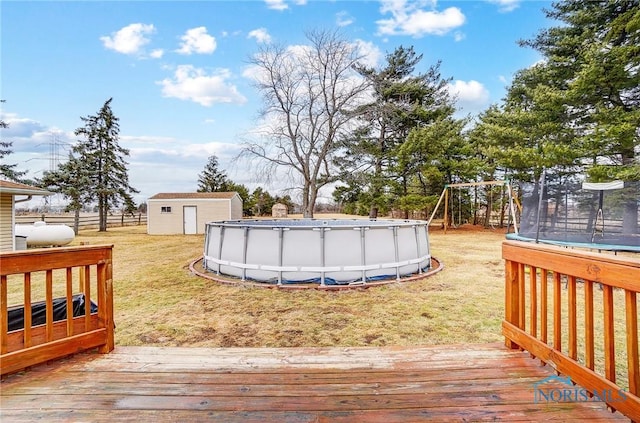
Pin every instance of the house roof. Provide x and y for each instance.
(193, 195)
(16, 188)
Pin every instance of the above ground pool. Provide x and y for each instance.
(321, 251)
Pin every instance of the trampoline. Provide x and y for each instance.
(601, 216)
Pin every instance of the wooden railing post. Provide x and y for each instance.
(512, 298)
(105, 312)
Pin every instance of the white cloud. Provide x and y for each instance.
(194, 84)
(148, 165)
(157, 53)
(459, 36)
(35, 147)
(282, 4)
(252, 72)
(343, 19)
(196, 40)
(471, 95)
(506, 5)
(20, 127)
(130, 39)
(147, 139)
(409, 18)
(261, 35)
(276, 4)
(372, 56)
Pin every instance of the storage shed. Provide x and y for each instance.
(279, 210)
(8, 192)
(188, 212)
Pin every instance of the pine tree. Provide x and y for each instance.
(212, 179)
(104, 159)
(593, 60)
(401, 102)
(72, 179)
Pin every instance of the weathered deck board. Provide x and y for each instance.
(395, 384)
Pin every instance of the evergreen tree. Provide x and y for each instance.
(243, 192)
(401, 101)
(578, 111)
(593, 61)
(104, 160)
(72, 179)
(435, 155)
(531, 131)
(212, 179)
(262, 202)
(287, 201)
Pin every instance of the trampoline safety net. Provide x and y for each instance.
(582, 213)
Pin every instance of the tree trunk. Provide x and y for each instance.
(405, 191)
(307, 203)
(102, 212)
(76, 220)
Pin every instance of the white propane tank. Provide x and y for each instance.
(42, 235)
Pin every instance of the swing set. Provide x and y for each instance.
(461, 206)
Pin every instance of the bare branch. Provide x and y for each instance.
(309, 93)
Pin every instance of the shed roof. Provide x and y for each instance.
(193, 195)
(17, 188)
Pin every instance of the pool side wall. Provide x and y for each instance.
(335, 254)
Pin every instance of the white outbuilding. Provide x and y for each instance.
(279, 210)
(188, 213)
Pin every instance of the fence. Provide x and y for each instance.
(591, 335)
(86, 221)
(43, 274)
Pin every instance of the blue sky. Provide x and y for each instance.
(177, 69)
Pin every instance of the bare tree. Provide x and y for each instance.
(309, 94)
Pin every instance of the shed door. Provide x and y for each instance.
(190, 220)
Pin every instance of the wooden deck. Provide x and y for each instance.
(391, 384)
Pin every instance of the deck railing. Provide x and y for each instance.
(577, 311)
(43, 274)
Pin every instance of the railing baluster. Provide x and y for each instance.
(533, 291)
(521, 296)
(28, 340)
(81, 271)
(609, 339)
(49, 302)
(543, 305)
(631, 311)
(69, 281)
(557, 312)
(4, 314)
(573, 320)
(87, 298)
(589, 355)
